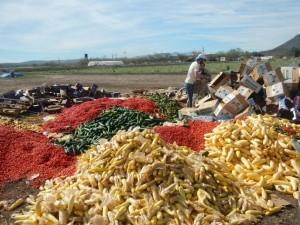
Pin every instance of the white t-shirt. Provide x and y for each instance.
(191, 78)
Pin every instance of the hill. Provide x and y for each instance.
(289, 48)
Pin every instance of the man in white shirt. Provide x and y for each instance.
(194, 74)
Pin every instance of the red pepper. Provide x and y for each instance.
(191, 136)
(72, 117)
(26, 153)
(289, 131)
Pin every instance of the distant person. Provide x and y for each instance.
(297, 107)
(196, 73)
(284, 106)
(78, 92)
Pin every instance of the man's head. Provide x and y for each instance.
(201, 59)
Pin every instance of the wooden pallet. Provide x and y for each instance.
(53, 108)
(12, 112)
(14, 106)
(8, 101)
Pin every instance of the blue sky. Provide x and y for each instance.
(66, 29)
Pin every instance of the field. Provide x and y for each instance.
(35, 151)
(121, 78)
(119, 83)
(213, 67)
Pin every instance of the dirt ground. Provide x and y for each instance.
(12, 192)
(120, 83)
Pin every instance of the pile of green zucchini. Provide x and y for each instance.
(106, 126)
(166, 106)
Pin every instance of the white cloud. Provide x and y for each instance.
(134, 26)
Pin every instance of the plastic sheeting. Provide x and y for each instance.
(11, 75)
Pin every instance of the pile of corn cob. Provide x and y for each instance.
(18, 124)
(136, 178)
(257, 153)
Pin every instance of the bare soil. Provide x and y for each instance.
(11, 192)
(120, 83)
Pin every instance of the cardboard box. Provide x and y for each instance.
(219, 80)
(275, 90)
(255, 75)
(244, 91)
(187, 112)
(207, 107)
(271, 109)
(248, 82)
(272, 77)
(290, 72)
(293, 77)
(291, 86)
(236, 101)
(224, 110)
(251, 63)
(259, 70)
(247, 68)
(203, 100)
(223, 91)
(242, 68)
(279, 74)
(287, 72)
(296, 76)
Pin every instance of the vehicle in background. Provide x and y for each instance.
(10, 74)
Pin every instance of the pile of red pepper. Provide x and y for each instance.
(25, 154)
(191, 136)
(284, 130)
(70, 118)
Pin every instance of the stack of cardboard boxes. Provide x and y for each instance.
(231, 101)
(254, 83)
(291, 79)
(273, 81)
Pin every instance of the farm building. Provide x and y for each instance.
(105, 63)
(266, 58)
(263, 58)
(223, 59)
